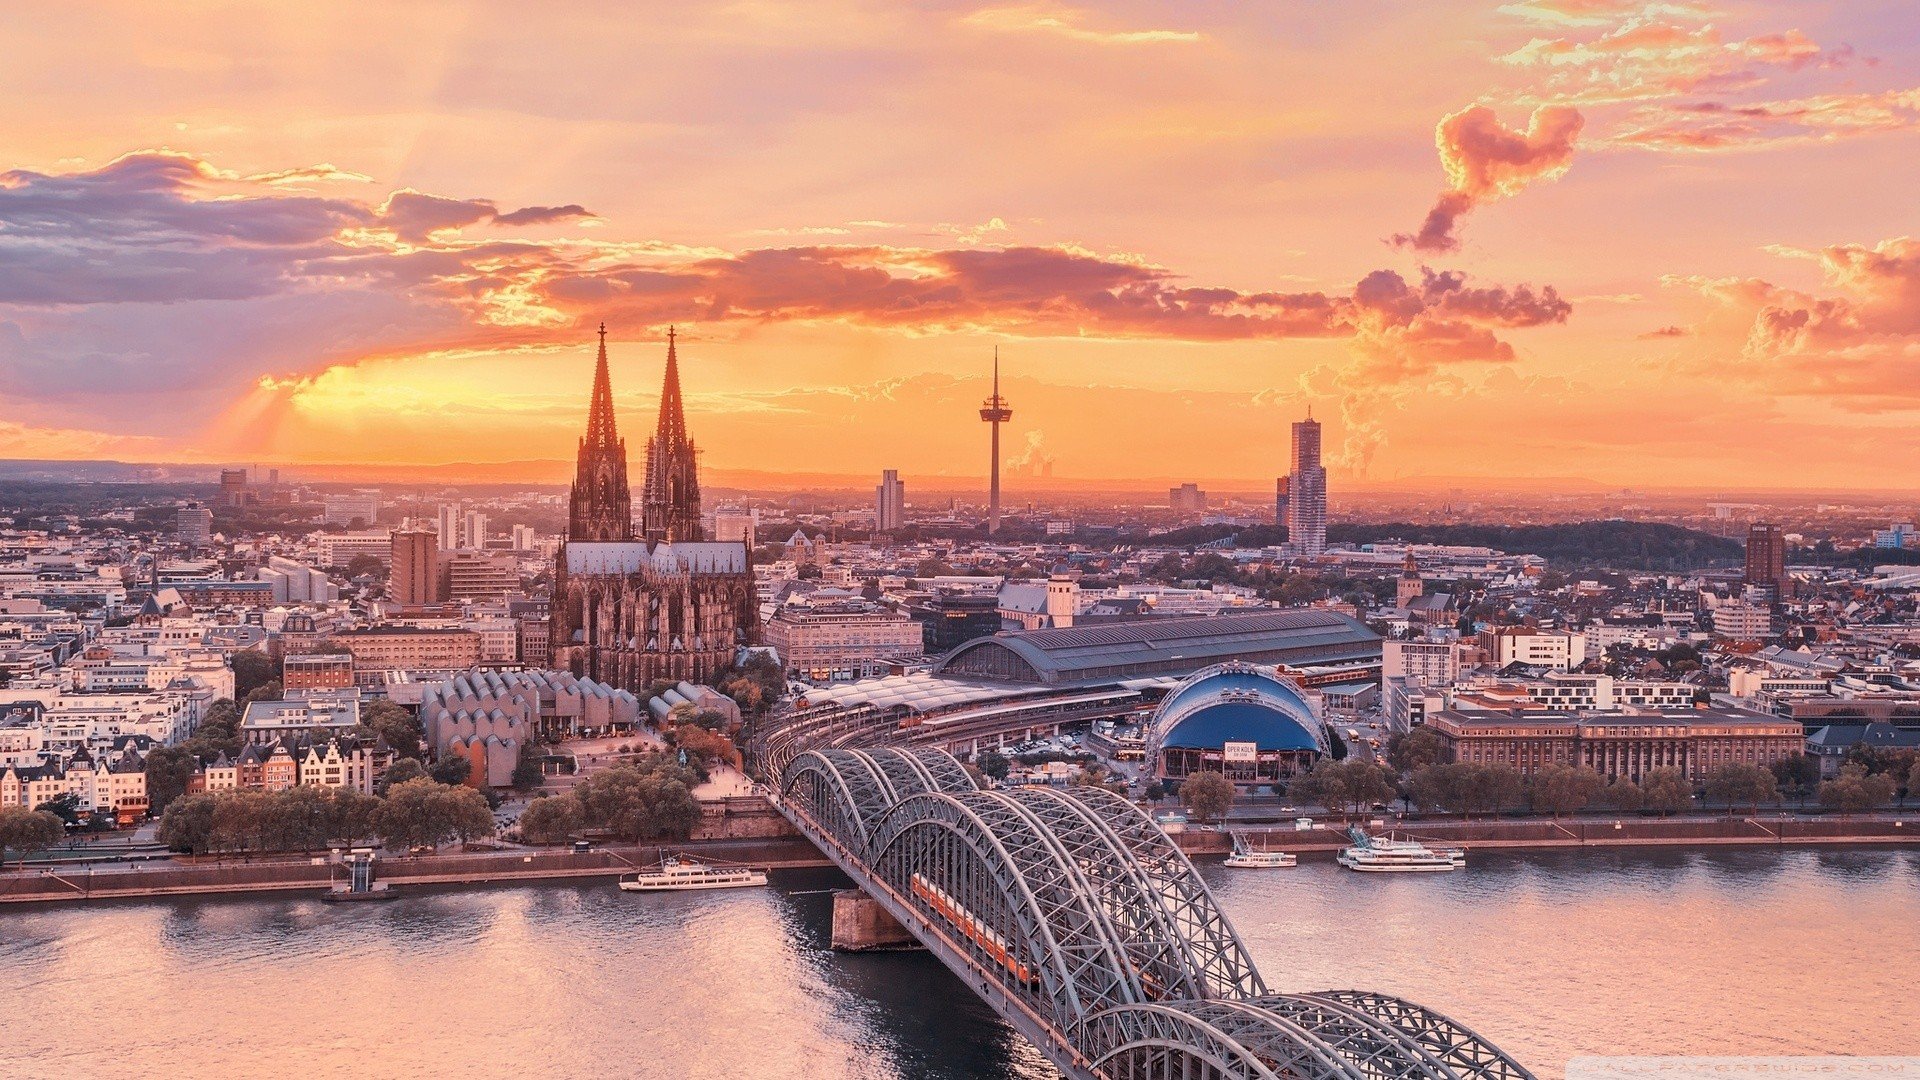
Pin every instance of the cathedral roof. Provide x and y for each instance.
(635, 556)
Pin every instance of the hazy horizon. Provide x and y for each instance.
(1593, 239)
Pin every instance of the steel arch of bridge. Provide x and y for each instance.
(1076, 917)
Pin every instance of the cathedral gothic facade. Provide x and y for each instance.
(667, 604)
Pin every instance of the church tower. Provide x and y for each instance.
(670, 503)
(1410, 587)
(601, 506)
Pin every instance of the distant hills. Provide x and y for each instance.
(1620, 545)
(925, 485)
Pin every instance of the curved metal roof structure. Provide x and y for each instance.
(1162, 645)
(1236, 702)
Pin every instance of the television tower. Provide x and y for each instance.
(995, 412)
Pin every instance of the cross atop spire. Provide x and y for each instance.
(670, 507)
(601, 507)
(600, 425)
(673, 417)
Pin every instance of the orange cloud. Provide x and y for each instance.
(1715, 125)
(1487, 160)
(320, 283)
(1860, 348)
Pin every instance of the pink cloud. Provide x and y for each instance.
(1487, 160)
(1860, 348)
(171, 293)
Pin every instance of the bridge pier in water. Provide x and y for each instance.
(1075, 918)
(861, 924)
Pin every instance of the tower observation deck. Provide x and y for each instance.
(995, 411)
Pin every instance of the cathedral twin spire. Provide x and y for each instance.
(601, 505)
(670, 509)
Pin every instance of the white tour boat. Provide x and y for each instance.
(1386, 855)
(678, 872)
(1248, 858)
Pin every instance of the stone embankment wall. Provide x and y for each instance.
(1581, 832)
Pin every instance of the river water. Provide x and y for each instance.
(1549, 954)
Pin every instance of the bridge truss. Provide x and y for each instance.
(1075, 918)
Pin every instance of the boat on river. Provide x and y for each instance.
(1247, 857)
(1393, 855)
(680, 872)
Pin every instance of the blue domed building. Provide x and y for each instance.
(1252, 723)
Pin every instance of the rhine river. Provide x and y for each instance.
(1551, 955)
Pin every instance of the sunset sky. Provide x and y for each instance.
(1648, 244)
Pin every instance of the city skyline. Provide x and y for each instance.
(1595, 239)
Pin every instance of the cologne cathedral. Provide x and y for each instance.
(667, 604)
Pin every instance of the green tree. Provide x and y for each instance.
(1208, 794)
(1625, 796)
(350, 815)
(383, 719)
(271, 690)
(1884, 759)
(425, 814)
(1913, 783)
(239, 821)
(1349, 785)
(1564, 789)
(451, 769)
(1666, 792)
(65, 806)
(297, 819)
(252, 669)
(1096, 775)
(528, 773)
(169, 772)
(552, 820)
(366, 566)
(1414, 749)
(1738, 784)
(1442, 786)
(1856, 791)
(401, 771)
(219, 730)
(187, 824)
(648, 799)
(995, 764)
(1797, 775)
(28, 831)
(704, 749)
(1498, 786)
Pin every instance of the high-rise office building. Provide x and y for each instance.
(730, 523)
(475, 535)
(1767, 558)
(480, 575)
(449, 526)
(890, 502)
(233, 488)
(1307, 491)
(415, 580)
(1280, 501)
(193, 524)
(360, 510)
(1186, 499)
(523, 537)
